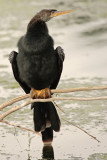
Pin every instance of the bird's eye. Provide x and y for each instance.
(53, 11)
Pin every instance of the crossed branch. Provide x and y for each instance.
(10, 102)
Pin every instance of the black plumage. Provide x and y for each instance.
(38, 65)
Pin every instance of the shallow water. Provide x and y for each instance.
(83, 35)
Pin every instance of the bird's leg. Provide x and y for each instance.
(40, 94)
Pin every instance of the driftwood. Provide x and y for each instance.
(10, 102)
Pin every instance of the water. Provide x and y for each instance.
(83, 35)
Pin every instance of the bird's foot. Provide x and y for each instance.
(40, 94)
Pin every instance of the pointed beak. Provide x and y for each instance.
(58, 13)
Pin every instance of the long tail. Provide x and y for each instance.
(46, 120)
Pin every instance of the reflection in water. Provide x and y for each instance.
(48, 152)
(86, 56)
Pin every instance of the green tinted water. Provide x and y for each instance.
(83, 36)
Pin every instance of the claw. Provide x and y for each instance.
(40, 94)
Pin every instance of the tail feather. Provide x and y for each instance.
(53, 117)
(39, 117)
(46, 113)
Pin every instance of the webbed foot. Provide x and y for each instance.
(40, 94)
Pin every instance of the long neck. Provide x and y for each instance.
(37, 26)
(37, 37)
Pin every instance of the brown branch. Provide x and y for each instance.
(2, 116)
(52, 91)
(56, 99)
(16, 125)
(81, 129)
(5, 114)
(68, 98)
(58, 106)
(78, 89)
(10, 102)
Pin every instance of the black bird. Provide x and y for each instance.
(38, 66)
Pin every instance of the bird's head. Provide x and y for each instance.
(46, 14)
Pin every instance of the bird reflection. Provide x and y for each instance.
(48, 152)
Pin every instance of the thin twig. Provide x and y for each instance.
(16, 125)
(81, 129)
(58, 106)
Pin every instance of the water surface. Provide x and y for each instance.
(83, 35)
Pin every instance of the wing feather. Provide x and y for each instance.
(60, 58)
(13, 61)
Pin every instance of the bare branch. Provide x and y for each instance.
(81, 129)
(2, 116)
(10, 102)
(53, 91)
(16, 125)
(58, 106)
(5, 114)
(56, 99)
(78, 89)
(68, 98)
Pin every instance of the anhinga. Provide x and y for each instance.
(37, 68)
